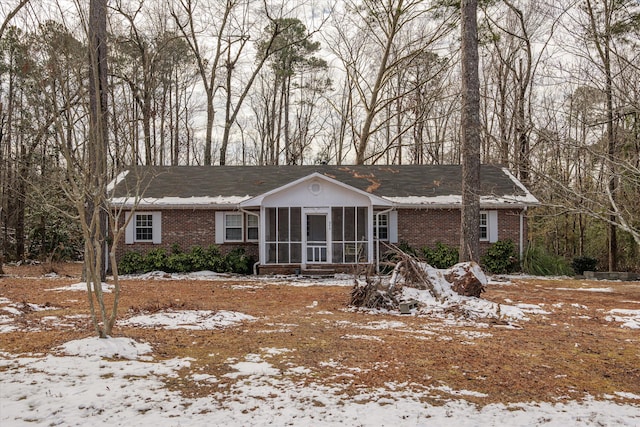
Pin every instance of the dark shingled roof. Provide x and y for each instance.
(384, 181)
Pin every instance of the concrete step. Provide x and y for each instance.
(318, 272)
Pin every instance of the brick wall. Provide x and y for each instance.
(417, 227)
(426, 227)
(187, 228)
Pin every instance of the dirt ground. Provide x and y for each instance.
(568, 353)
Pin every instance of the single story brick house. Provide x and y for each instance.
(297, 218)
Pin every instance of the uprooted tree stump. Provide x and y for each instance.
(465, 279)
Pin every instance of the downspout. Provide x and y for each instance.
(522, 212)
(378, 238)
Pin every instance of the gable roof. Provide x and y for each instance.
(403, 185)
(257, 200)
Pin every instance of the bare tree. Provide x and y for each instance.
(93, 213)
(188, 17)
(375, 42)
(470, 131)
(10, 13)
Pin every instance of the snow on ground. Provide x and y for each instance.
(95, 347)
(473, 308)
(187, 319)
(629, 318)
(82, 286)
(117, 381)
(82, 388)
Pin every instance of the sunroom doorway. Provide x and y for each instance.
(316, 243)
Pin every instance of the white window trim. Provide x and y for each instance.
(492, 226)
(240, 226)
(247, 214)
(156, 224)
(376, 228)
(221, 227)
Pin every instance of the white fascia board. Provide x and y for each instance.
(257, 201)
(455, 201)
(180, 202)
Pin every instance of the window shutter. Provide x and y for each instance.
(129, 230)
(219, 227)
(492, 225)
(393, 227)
(157, 227)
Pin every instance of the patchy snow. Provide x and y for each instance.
(94, 347)
(470, 307)
(118, 381)
(253, 366)
(7, 324)
(629, 318)
(87, 390)
(82, 286)
(532, 309)
(111, 185)
(187, 319)
(382, 324)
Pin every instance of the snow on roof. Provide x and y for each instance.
(456, 200)
(121, 176)
(405, 185)
(180, 201)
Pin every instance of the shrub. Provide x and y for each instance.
(180, 262)
(238, 262)
(215, 260)
(584, 263)
(155, 259)
(442, 256)
(501, 257)
(131, 262)
(538, 262)
(199, 259)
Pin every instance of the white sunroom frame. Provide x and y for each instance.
(316, 193)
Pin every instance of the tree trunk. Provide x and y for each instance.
(98, 143)
(470, 134)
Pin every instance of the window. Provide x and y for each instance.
(144, 228)
(381, 229)
(489, 226)
(236, 227)
(484, 226)
(252, 227)
(233, 227)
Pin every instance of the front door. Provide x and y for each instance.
(316, 249)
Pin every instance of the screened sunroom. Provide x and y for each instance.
(317, 220)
